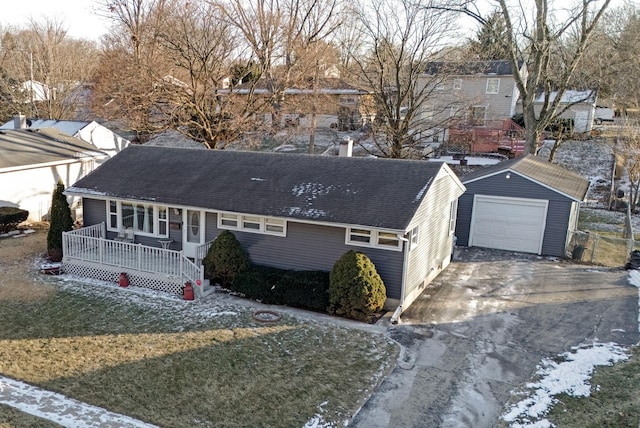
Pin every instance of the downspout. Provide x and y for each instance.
(396, 314)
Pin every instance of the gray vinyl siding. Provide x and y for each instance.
(558, 211)
(434, 241)
(473, 93)
(312, 247)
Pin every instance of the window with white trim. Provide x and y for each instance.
(457, 84)
(453, 213)
(163, 219)
(227, 221)
(413, 237)
(144, 219)
(373, 238)
(274, 225)
(113, 215)
(493, 85)
(253, 224)
(358, 236)
(250, 222)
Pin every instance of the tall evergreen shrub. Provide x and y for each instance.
(59, 221)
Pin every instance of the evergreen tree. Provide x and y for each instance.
(491, 42)
(59, 221)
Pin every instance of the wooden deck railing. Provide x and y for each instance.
(88, 245)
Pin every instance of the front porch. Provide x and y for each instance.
(87, 253)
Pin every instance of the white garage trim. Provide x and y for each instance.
(514, 224)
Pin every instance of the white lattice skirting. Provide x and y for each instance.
(107, 273)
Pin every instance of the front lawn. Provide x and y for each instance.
(183, 364)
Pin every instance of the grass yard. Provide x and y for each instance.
(176, 363)
(614, 400)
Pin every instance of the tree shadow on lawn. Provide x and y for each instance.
(173, 369)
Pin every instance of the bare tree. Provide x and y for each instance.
(126, 80)
(277, 33)
(398, 39)
(201, 48)
(48, 69)
(540, 36)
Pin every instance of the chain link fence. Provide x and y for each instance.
(599, 249)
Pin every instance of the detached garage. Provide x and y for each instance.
(525, 204)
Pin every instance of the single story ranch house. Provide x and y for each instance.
(152, 213)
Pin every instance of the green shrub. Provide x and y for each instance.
(305, 289)
(225, 259)
(355, 289)
(11, 217)
(60, 221)
(298, 289)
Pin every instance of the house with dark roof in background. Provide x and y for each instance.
(288, 211)
(524, 204)
(104, 139)
(33, 161)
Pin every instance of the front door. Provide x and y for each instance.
(193, 234)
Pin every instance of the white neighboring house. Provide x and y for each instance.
(91, 132)
(35, 91)
(33, 161)
(580, 106)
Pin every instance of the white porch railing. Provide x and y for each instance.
(87, 253)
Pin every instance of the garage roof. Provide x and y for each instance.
(540, 171)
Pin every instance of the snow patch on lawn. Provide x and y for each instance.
(570, 376)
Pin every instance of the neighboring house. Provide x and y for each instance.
(466, 100)
(335, 102)
(91, 132)
(289, 211)
(525, 204)
(34, 91)
(577, 106)
(33, 161)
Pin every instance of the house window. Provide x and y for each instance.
(387, 239)
(413, 237)
(453, 212)
(373, 238)
(144, 219)
(252, 223)
(162, 221)
(478, 114)
(274, 225)
(359, 236)
(228, 221)
(493, 86)
(113, 215)
(457, 84)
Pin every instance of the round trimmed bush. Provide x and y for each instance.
(356, 290)
(225, 259)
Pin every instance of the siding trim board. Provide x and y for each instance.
(510, 171)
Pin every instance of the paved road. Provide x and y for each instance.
(480, 329)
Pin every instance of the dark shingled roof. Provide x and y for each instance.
(542, 171)
(471, 68)
(19, 148)
(370, 192)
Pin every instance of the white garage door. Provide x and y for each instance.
(508, 223)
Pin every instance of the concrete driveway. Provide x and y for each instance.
(480, 329)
